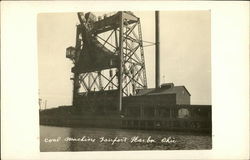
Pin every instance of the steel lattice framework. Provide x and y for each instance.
(108, 55)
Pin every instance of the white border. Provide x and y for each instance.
(230, 78)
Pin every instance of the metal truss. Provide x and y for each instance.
(121, 35)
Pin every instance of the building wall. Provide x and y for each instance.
(150, 100)
(183, 97)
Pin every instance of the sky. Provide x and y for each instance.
(185, 48)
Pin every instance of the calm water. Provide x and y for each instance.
(99, 139)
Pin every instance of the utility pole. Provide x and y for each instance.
(45, 104)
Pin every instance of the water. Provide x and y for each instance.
(99, 139)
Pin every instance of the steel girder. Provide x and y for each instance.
(124, 39)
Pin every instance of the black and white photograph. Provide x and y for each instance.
(145, 80)
(114, 81)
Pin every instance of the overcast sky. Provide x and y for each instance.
(184, 45)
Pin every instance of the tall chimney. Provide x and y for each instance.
(157, 50)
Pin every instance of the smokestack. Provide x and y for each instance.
(157, 50)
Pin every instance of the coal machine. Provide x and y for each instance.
(108, 57)
(110, 85)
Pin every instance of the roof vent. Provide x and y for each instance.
(167, 85)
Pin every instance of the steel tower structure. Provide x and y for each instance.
(108, 55)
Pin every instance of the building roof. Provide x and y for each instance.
(163, 90)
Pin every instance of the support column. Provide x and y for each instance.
(75, 88)
(100, 80)
(76, 84)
